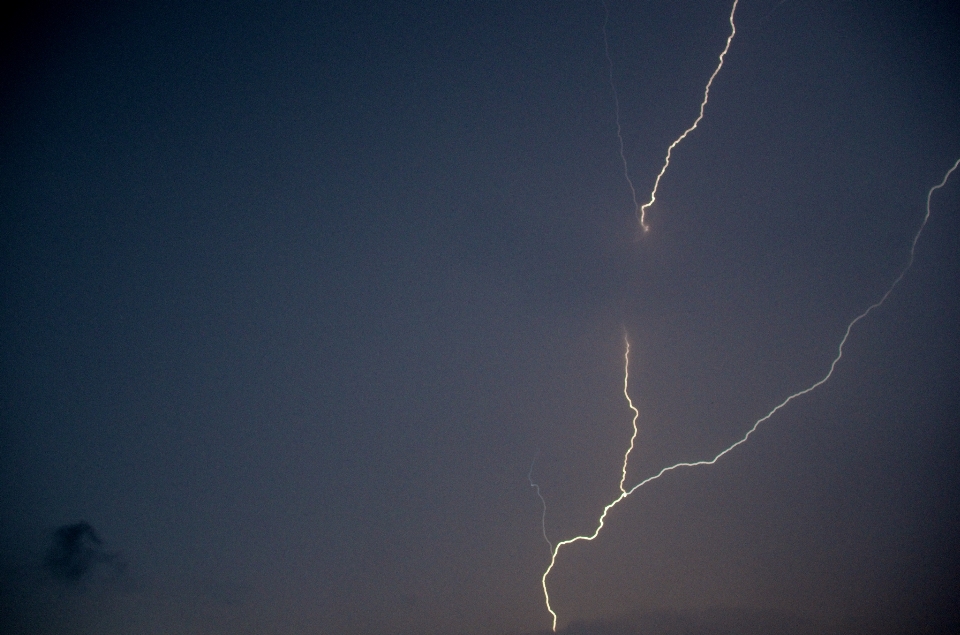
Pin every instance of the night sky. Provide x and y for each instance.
(293, 294)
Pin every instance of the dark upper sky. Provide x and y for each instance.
(292, 294)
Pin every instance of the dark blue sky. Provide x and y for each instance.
(293, 294)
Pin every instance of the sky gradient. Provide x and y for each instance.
(292, 296)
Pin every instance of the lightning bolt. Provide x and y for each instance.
(623, 478)
(642, 209)
(616, 105)
(543, 515)
(636, 413)
(625, 493)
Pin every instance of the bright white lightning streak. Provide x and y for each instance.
(636, 413)
(624, 493)
(642, 210)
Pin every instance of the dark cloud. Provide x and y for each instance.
(75, 552)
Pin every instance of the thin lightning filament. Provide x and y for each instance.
(616, 106)
(543, 515)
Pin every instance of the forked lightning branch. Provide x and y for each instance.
(641, 217)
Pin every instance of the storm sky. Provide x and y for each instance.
(293, 294)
